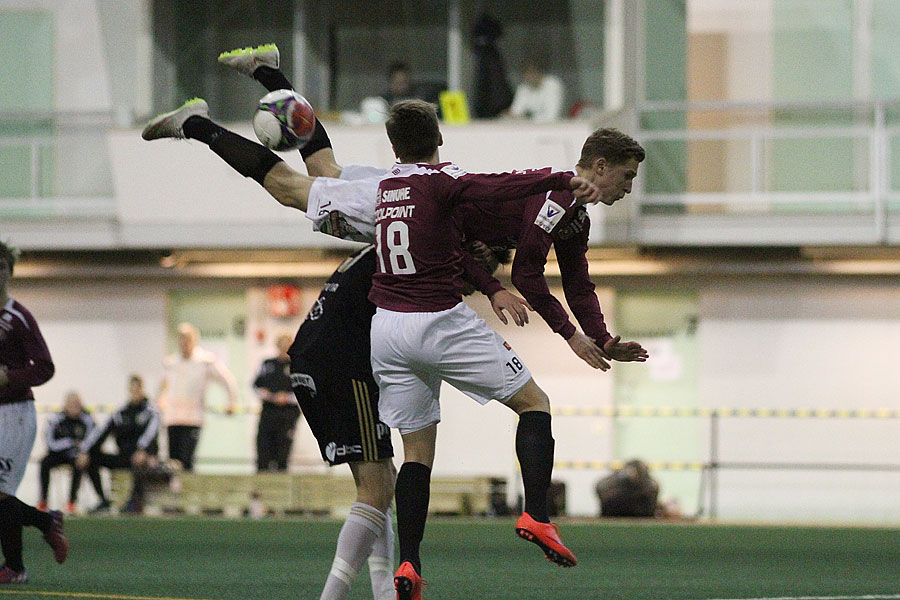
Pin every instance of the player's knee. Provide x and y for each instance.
(376, 485)
(529, 398)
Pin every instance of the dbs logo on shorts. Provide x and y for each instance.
(333, 451)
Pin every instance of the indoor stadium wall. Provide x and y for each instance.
(778, 345)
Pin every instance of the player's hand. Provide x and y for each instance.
(283, 398)
(625, 351)
(584, 191)
(139, 458)
(480, 251)
(517, 307)
(82, 461)
(4, 377)
(588, 351)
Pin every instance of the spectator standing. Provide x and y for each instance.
(279, 413)
(64, 433)
(182, 398)
(492, 93)
(135, 428)
(540, 95)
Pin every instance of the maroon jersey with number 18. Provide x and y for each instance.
(418, 244)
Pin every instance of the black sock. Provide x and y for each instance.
(534, 449)
(202, 129)
(272, 79)
(247, 158)
(318, 141)
(32, 517)
(11, 533)
(412, 492)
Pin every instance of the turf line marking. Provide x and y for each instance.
(89, 595)
(868, 597)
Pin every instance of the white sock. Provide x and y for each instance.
(360, 530)
(381, 562)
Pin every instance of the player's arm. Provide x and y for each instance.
(39, 368)
(54, 444)
(528, 277)
(224, 376)
(151, 429)
(262, 384)
(580, 295)
(502, 300)
(516, 185)
(92, 440)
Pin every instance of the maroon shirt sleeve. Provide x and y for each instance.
(578, 287)
(504, 186)
(33, 366)
(475, 274)
(528, 277)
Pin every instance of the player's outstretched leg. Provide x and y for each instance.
(191, 121)
(261, 63)
(171, 124)
(247, 60)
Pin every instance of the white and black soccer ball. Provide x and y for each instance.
(284, 120)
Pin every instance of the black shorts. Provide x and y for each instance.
(342, 412)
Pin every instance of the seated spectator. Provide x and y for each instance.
(134, 427)
(374, 109)
(400, 85)
(628, 492)
(64, 433)
(540, 95)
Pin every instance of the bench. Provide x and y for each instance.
(281, 494)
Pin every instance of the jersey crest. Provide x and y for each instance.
(549, 216)
(576, 226)
(453, 171)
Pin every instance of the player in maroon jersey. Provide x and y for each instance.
(557, 219)
(24, 363)
(423, 334)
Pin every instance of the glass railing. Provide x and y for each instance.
(46, 156)
(788, 166)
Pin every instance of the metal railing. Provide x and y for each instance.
(709, 470)
(759, 184)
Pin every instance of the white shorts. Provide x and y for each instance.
(18, 426)
(345, 207)
(413, 352)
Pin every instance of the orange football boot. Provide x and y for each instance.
(545, 535)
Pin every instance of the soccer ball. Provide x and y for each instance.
(284, 120)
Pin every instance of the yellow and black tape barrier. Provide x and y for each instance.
(779, 413)
(598, 465)
(111, 408)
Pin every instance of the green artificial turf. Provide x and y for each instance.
(289, 559)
